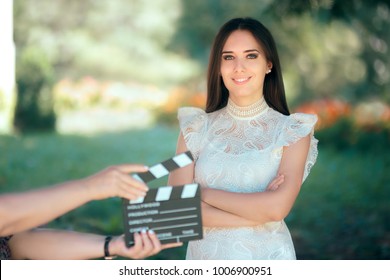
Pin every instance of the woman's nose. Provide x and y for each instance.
(239, 65)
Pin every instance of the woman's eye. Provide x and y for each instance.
(252, 55)
(227, 57)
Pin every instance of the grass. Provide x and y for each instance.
(343, 209)
(341, 212)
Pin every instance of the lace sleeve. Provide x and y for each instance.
(192, 123)
(297, 126)
(5, 252)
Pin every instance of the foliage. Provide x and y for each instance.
(110, 40)
(179, 97)
(328, 111)
(364, 127)
(34, 109)
(86, 93)
(342, 210)
(344, 134)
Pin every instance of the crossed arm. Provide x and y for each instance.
(228, 209)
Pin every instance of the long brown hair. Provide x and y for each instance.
(273, 90)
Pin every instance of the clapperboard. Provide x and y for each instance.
(172, 212)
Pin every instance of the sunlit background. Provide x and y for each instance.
(86, 84)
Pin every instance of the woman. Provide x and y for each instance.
(251, 155)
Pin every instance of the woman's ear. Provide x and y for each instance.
(269, 65)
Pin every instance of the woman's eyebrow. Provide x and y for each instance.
(246, 51)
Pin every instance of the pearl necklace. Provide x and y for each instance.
(248, 111)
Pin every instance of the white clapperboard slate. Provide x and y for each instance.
(172, 212)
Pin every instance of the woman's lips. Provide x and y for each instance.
(241, 81)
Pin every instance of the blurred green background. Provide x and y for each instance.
(99, 83)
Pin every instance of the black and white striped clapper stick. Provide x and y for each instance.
(161, 169)
(172, 212)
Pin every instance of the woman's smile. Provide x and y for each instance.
(241, 81)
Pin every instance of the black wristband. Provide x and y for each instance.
(107, 255)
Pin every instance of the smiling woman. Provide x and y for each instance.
(258, 43)
(250, 155)
(243, 68)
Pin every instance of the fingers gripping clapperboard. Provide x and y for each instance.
(172, 212)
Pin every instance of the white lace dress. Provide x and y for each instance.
(239, 150)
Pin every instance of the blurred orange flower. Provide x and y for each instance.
(327, 110)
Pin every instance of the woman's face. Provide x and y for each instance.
(243, 67)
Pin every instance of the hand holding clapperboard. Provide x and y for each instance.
(172, 212)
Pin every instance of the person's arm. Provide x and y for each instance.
(49, 244)
(270, 205)
(214, 217)
(211, 216)
(22, 211)
(184, 175)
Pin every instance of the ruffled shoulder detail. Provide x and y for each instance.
(193, 123)
(295, 127)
